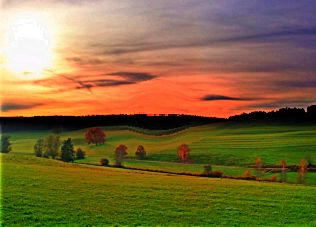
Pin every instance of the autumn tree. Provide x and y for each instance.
(184, 152)
(39, 147)
(140, 152)
(258, 167)
(5, 144)
(95, 135)
(67, 151)
(120, 152)
(283, 170)
(302, 171)
(52, 145)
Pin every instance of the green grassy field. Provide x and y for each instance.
(45, 192)
(219, 144)
(229, 147)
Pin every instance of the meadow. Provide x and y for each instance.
(46, 192)
(229, 147)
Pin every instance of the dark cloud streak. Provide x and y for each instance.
(105, 80)
(17, 106)
(224, 98)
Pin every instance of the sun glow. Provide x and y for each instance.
(29, 43)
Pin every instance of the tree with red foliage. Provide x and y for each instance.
(302, 171)
(184, 152)
(258, 167)
(120, 152)
(95, 135)
(140, 152)
(283, 170)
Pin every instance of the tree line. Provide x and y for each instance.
(294, 115)
(51, 147)
(154, 122)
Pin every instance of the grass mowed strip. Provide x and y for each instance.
(43, 192)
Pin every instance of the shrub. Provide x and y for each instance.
(247, 174)
(80, 154)
(217, 173)
(5, 144)
(104, 162)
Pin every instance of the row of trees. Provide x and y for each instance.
(281, 115)
(97, 136)
(301, 170)
(52, 147)
(47, 147)
(184, 155)
(121, 152)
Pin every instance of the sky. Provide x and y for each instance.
(201, 57)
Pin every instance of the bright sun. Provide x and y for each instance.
(28, 50)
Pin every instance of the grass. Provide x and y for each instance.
(218, 144)
(229, 147)
(45, 192)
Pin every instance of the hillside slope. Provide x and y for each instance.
(37, 191)
(218, 144)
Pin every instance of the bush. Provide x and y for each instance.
(247, 174)
(217, 173)
(80, 154)
(5, 144)
(104, 162)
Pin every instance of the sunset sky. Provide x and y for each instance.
(204, 57)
